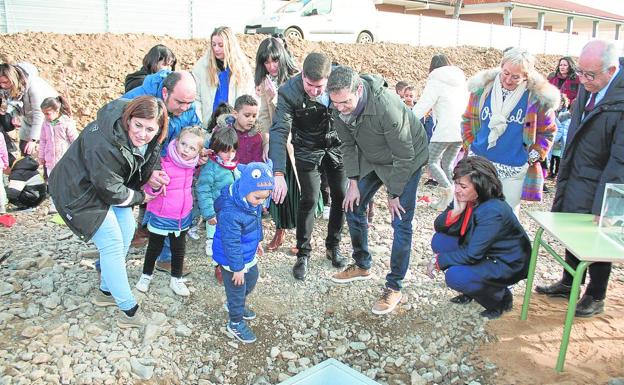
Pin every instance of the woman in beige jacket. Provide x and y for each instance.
(222, 73)
(273, 67)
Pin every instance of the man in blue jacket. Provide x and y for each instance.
(178, 91)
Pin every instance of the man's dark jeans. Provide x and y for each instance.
(310, 181)
(402, 243)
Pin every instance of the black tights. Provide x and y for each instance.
(154, 247)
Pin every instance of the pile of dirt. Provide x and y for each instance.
(91, 67)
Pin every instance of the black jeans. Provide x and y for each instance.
(310, 181)
(154, 247)
(598, 276)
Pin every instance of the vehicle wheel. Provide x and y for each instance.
(293, 33)
(364, 37)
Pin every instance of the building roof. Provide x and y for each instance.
(554, 5)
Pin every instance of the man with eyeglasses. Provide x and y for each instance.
(384, 144)
(594, 156)
(302, 112)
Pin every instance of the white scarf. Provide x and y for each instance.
(501, 109)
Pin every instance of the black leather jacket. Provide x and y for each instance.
(310, 124)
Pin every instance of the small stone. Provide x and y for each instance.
(304, 361)
(41, 358)
(52, 301)
(6, 288)
(341, 350)
(158, 319)
(45, 261)
(31, 331)
(144, 372)
(399, 361)
(151, 333)
(357, 345)
(183, 331)
(474, 383)
(274, 352)
(616, 381)
(364, 336)
(289, 356)
(116, 355)
(416, 379)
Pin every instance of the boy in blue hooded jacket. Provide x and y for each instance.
(239, 230)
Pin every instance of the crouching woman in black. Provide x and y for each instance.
(479, 243)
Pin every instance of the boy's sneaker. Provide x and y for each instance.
(387, 302)
(209, 247)
(144, 282)
(248, 314)
(241, 332)
(103, 300)
(179, 287)
(136, 321)
(352, 273)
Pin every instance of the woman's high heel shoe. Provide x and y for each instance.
(277, 240)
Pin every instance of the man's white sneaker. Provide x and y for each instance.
(179, 287)
(326, 210)
(144, 282)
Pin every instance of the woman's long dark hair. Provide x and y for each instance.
(483, 176)
(274, 49)
(571, 67)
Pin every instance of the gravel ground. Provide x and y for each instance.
(52, 334)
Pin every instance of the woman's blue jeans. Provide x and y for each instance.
(402, 242)
(112, 240)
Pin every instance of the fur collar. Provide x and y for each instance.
(546, 94)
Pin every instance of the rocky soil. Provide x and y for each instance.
(52, 334)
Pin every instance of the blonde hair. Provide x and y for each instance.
(194, 130)
(520, 57)
(233, 58)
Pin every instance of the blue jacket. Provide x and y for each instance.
(212, 179)
(239, 230)
(494, 241)
(153, 85)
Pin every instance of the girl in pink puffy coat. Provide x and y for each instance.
(169, 213)
(57, 132)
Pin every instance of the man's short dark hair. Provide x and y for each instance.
(171, 80)
(316, 66)
(343, 77)
(244, 100)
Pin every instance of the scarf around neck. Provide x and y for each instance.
(502, 108)
(172, 151)
(229, 165)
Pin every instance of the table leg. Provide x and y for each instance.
(567, 326)
(530, 275)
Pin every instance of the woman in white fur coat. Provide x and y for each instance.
(510, 120)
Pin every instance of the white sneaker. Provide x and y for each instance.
(209, 247)
(326, 212)
(179, 287)
(144, 282)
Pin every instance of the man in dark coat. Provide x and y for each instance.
(384, 144)
(303, 111)
(594, 156)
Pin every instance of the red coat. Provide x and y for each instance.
(569, 87)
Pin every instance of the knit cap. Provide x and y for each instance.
(255, 176)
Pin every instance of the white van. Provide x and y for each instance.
(345, 21)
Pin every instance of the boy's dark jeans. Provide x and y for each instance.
(237, 295)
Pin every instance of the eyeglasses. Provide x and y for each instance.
(587, 74)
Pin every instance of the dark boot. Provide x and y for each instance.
(557, 289)
(337, 259)
(300, 270)
(588, 306)
(461, 299)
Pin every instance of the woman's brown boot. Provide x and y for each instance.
(277, 240)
